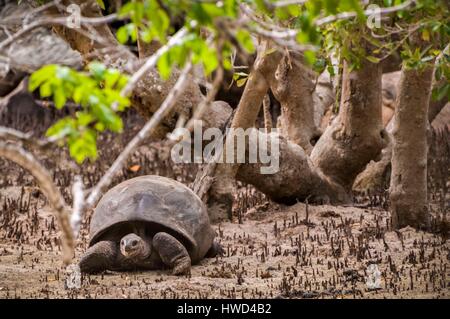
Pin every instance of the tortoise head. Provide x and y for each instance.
(135, 247)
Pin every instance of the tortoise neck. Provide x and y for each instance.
(147, 248)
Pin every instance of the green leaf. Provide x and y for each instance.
(227, 65)
(84, 118)
(40, 76)
(373, 59)
(122, 35)
(213, 9)
(293, 9)
(97, 69)
(59, 97)
(310, 57)
(45, 90)
(83, 146)
(244, 38)
(132, 32)
(282, 13)
(198, 13)
(99, 126)
(62, 128)
(331, 6)
(440, 92)
(111, 78)
(427, 58)
(209, 59)
(146, 35)
(330, 70)
(79, 94)
(164, 66)
(101, 4)
(63, 73)
(238, 75)
(107, 117)
(241, 82)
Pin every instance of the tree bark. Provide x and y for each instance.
(220, 198)
(376, 176)
(408, 187)
(357, 135)
(293, 87)
(324, 96)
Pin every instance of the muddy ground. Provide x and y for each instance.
(275, 253)
(271, 250)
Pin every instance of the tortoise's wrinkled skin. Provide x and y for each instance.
(168, 216)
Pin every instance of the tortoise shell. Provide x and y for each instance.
(158, 204)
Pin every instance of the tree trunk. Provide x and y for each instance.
(377, 174)
(323, 97)
(408, 190)
(356, 136)
(293, 88)
(220, 198)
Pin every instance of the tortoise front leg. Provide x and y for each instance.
(99, 257)
(172, 253)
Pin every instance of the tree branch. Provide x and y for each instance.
(7, 133)
(78, 205)
(54, 21)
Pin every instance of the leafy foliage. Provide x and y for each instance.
(96, 91)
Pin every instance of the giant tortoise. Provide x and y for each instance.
(149, 222)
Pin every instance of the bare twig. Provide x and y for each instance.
(21, 157)
(78, 205)
(27, 139)
(151, 61)
(4, 100)
(55, 21)
(287, 37)
(25, 16)
(368, 12)
(285, 3)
